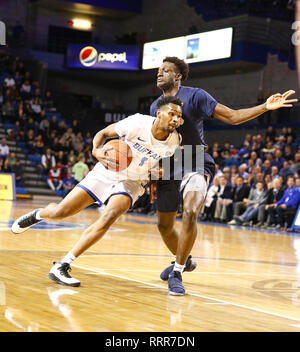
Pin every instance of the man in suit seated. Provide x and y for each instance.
(240, 192)
(274, 194)
(223, 200)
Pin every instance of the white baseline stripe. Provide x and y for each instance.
(192, 294)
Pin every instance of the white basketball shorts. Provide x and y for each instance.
(102, 189)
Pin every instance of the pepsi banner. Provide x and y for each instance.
(110, 57)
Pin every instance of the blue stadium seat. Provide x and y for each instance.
(21, 190)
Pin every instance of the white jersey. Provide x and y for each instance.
(135, 130)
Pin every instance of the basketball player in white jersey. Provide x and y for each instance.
(150, 139)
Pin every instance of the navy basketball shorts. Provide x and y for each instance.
(168, 195)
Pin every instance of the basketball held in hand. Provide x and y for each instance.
(120, 152)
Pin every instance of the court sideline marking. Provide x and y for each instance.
(191, 294)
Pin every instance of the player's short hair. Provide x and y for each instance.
(167, 100)
(181, 65)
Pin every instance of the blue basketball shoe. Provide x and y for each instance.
(175, 284)
(190, 265)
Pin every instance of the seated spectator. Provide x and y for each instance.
(271, 133)
(296, 164)
(78, 142)
(226, 173)
(61, 158)
(29, 139)
(5, 167)
(257, 177)
(229, 160)
(88, 138)
(240, 193)
(61, 129)
(287, 204)
(217, 158)
(289, 143)
(256, 197)
(224, 198)
(26, 90)
(44, 127)
(274, 194)
(76, 127)
(291, 133)
(225, 150)
(9, 81)
(242, 171)
(4, 149)
(55, 178)
(274, 172)
(288, 154)
(259, 141)
(30, 125)
(280, 143)
(233, 173)
(256, 160)
(267, 179)
(266, 167)
(12, 159)
(39, 144)
(67, 146)
(278, 159)
(54, 123)
(8, 112)
(286, 170)
(67, 135)
(72, 157)
(80, 169)
(18, 170)
(68, 183)
(48, 161)
(244, 152)
(17, 132)
(55, 145)
(209, 206)
(36, 108)
(48, 102)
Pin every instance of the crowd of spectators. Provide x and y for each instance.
(258, 183)
(65, 152)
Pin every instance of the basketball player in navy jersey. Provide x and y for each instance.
(197, 104)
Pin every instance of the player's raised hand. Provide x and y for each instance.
(278, 100)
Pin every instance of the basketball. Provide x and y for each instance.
(121, 153)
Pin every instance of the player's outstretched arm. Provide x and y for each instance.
(236, 117)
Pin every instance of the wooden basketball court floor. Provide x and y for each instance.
(246, 280)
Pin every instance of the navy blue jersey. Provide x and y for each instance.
(197, 105)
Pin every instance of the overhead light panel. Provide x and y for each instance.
(81, 24)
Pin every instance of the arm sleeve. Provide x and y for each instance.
(204, 102)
